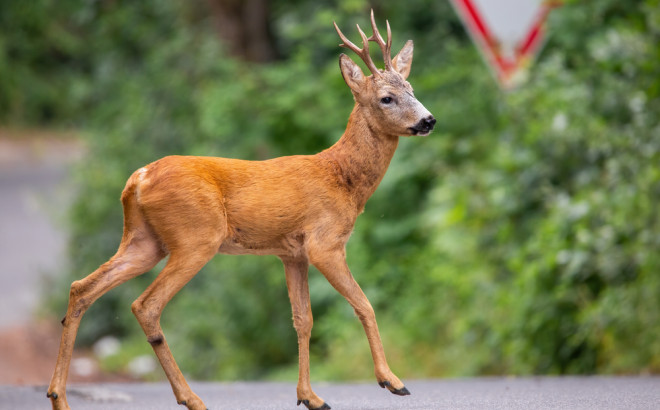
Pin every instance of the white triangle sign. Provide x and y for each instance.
(508, 33)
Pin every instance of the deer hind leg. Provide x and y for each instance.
(296, 282)
(180, 268)
(136, 255)
(332, 264)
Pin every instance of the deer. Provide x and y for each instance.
(300, 208)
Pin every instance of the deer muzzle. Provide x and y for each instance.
(424, 126)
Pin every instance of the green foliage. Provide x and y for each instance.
(520, 238)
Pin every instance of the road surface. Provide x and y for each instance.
(597, 393)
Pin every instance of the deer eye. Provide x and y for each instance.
(386, 100)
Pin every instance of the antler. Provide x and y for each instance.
(386, 48)
(362, 52)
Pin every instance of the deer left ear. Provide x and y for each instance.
(402, 61)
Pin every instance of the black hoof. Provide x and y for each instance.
(183, 403)
(306, 403)
(399, 392)
(53, 395)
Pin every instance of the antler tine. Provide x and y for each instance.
(362, 52)
(386, 48)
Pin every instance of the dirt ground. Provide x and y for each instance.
(28, 353)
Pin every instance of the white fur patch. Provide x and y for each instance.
(141, 179)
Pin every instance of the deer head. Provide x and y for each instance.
(391, 107)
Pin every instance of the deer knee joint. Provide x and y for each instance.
(139, 311)
(145, 315)
(76, 288)
(303, 324)
(77, 304)
(136, 308)
(365, 313)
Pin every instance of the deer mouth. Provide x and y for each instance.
(417, 132)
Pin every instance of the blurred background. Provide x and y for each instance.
(522, 237)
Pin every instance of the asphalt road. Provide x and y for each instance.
(595, 393)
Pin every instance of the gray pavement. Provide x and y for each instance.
(597, 393)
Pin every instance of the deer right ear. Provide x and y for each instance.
(351, 72)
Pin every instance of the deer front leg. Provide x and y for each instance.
(332, 264)
(296, 281)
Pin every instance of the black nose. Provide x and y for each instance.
(428, 122)
(424, 125)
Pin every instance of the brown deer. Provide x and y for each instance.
(300, 208)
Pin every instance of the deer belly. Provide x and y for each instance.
(241, 243)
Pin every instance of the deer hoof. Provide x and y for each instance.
(399, 392)
(185, 403)
(306, 403)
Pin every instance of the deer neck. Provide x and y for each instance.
(361, 157)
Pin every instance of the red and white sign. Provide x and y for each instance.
(508, 33)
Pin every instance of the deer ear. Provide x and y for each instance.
(351, 72)
(403, 60)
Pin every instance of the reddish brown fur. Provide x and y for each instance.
(300, 208)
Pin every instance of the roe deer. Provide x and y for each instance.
(299, 208)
